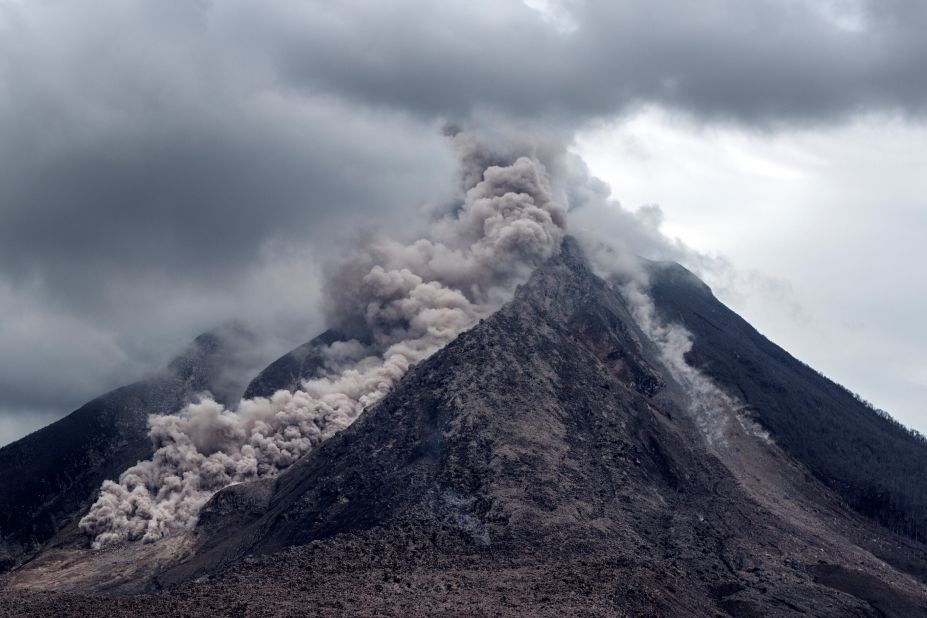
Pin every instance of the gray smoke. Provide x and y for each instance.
(404, 301)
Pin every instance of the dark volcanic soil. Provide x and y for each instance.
(397, 573)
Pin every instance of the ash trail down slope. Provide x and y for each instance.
(406, 445)
(50, 477)
(872, 462)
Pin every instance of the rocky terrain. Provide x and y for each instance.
(546, 462)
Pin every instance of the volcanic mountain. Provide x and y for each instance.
(550, 460)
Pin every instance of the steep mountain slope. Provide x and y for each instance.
(50, 477)
(875, 464)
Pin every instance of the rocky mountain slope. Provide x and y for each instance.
(546, 461)
(875, 464)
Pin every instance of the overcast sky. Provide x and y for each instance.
(168, 166)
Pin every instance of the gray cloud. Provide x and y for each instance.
(168, 166)
(765, 62)
(154, 182)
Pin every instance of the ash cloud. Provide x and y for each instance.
(403, 300)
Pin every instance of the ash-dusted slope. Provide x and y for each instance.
(49, 478)
(874, 463)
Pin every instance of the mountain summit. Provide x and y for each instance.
(549, 460)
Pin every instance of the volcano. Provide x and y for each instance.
(548, 461)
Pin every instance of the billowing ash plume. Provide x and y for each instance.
(400, 302)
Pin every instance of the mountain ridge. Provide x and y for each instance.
(872, 461)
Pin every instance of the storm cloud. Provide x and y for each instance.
(165, 167)
(764, 63)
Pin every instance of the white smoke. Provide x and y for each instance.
(709, 405)
(404, 301)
